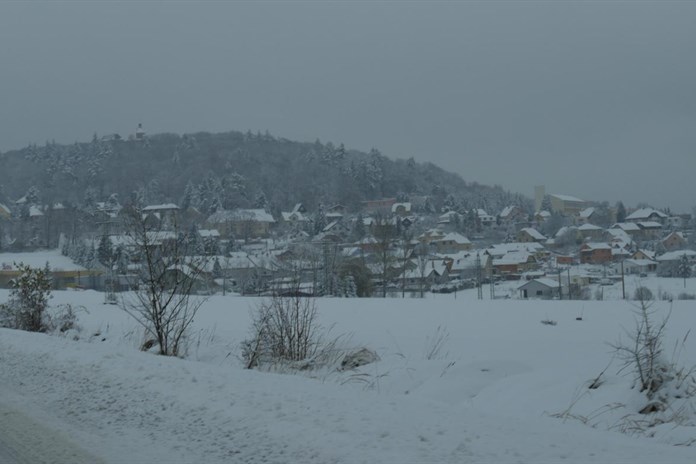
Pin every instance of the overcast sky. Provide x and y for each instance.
(591, 99)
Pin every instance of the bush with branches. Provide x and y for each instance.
(660, 379)
(284, 329)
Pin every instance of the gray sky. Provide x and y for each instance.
(592, 99)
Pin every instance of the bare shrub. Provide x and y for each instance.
(643, 353)
(284, 329)
(435, 344)
(686, 296)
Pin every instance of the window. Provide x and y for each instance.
(540, 292)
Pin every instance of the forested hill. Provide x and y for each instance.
(229, 170)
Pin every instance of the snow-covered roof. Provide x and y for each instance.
(514, 257)
(587, 212)
(4, 209)
(645, 213)
(162, 207)
(587, 227)
(626, 226)
(676, 255)
(639, 262)
(499, 249)
(35, 211)
(596, 246)
(258, 215)
(564, 230)
(543, 281)
(507, 211)
(649, 225)
(294, 216)
(567, 198)
(544, 214)
(620, 234)
(205, 233)
(532, 232)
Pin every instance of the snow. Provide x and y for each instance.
(54, 258)
(567, 198)
(490, 394)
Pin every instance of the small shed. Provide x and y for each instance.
(539, 288)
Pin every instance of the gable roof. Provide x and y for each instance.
(567, 198)
(532, 232)
(645, 213)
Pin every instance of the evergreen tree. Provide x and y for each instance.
(684, 269)
(620, 212)
(105, 252)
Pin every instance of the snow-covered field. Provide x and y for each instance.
(493, 393)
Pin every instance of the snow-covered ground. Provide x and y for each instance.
(496, 391)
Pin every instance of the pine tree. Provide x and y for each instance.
(105, 252)
(620, 212)
(684, 269)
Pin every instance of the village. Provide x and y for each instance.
(567, 248)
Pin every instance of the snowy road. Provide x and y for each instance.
(25, 441)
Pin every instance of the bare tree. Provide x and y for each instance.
(163, 303)
(384, 232)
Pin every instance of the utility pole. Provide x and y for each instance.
(570, 296)
(478, 276)
(560, 286)
(623, 284)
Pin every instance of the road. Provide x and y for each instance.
(25, 441)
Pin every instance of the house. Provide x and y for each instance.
(631, 229)
(644, 254)
(539, 288)
(512, 214)
(541, 217)
(585, 216)
(514, 262)
(484, 218)
(639, 266)
(431, 235)
(566, 205)
(529, 234)
(452, 242)
(336, 231)
(649, 230)
(595, 253)
(449, 218)
(674, 241)
(647, 214)
(381, 206)
(296, 216)
(163, 216)
(466, 265)
(433, 272)
(335, 212)
(591, 232)
(668, 263)
(242, 223)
